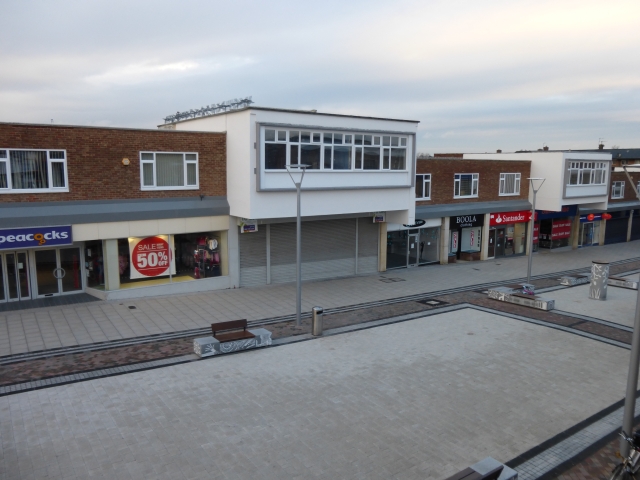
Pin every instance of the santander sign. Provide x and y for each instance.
(504, 218)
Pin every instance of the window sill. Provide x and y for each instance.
(508, 194)
(462, 198)
(157, 189)
(33, 190)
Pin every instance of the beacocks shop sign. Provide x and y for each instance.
(18, 238)
(464, 221)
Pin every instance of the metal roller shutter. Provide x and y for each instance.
(616, 231)
(368, 238)
(253, 258)
(635, 227)
(328, 250)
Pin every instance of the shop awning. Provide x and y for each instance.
(37, 214)
(619, 206)
(449, 210)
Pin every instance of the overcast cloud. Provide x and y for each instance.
(478, 75)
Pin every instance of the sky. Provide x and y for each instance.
(479, 76)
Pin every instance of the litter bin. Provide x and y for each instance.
(316, 321)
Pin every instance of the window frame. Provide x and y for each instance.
(185, 162)
(516, 184)
(329, 140)
(426, 180)
(620, 185)
(581, 167)
(49, 189)
(475, 185)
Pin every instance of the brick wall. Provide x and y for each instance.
(629, 194)
(94, 160)
(442, 171)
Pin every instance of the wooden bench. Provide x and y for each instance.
(233, 330)
(230, 337)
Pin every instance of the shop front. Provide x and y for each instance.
(508, 233)
(39, 262)
(555, 227)
(413, 245)
(465, 238)
(590, 225)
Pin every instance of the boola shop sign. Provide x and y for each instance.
(18, 238)
(465, 221)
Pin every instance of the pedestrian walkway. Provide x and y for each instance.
(101, 321)
(420, 399)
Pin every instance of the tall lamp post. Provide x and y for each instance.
(533, 221)
(296, 171)
(632, 379)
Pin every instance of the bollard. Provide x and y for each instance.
(316, 321)
(599, 278)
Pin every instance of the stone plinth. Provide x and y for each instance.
(573, 280)
(623, 282)
(599, 277)
(505, 294)
(208, 346)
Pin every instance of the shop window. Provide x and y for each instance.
(33, 171)
(423, 186)
(617, 190)
(341, 150)
(168, 170)
(465, 185)
(94, 264)
(196, 256)
(509, 184)
(587, 173)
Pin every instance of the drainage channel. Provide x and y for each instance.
(9, 359)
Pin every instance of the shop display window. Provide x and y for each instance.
(94, 264)
(196, 256)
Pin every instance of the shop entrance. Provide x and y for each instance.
(496, 242)
(58, 271)
(588, 234)
(14, 277)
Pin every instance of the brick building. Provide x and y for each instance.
(465, 210)
(112, 211)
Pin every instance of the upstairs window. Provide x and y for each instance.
(33, 171)
(587, 173)
(509, 184)
(168, 171)
(465, 185)
(617, 190)
(423, 186)
(333, 151)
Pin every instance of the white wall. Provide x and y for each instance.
(358, 191)
(551, 167)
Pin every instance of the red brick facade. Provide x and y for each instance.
(94, 160)
(442, 172)
(629, 194)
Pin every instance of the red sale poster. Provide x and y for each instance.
(151, 256)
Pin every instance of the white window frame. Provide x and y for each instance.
(475, 185)
(516, 185)
(426, 180)
(184, 165)
(7, 161)
(581, 168)
(617, 185)
(395, 141)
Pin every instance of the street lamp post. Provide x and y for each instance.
(632, 378)
(299, 169)
(533, 221)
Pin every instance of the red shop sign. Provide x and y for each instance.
(150, 257)
(510, 217)
(560, 228)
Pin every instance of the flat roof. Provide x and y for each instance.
(290, 110)
(97, 127)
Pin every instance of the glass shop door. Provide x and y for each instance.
(413, 250)
(58, 271)
(14, 278)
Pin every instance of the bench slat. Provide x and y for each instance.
(227, 337)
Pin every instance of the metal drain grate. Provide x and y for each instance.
(391, 280)
(433, 303)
